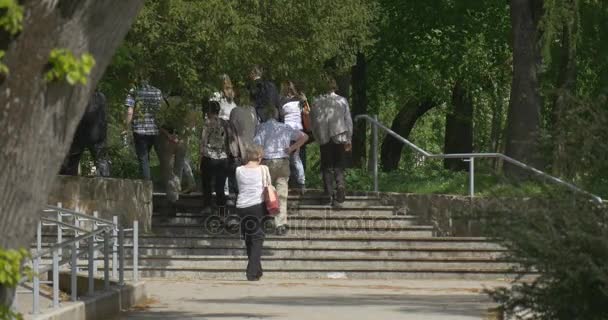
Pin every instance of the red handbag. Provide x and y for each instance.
(271, 196)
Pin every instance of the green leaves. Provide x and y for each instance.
(12, 19)
(65, 66)
(10, 275)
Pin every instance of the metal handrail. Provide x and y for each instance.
(470, 156)
(114, 248)
(77, 214)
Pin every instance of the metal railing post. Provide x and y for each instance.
(472, 177)
(55, 279)
(76, 235)
(135, 251)
(59, 228)
(91, 274)
(74, 273)
(95, 227)
(106, 260)
(39, 236)
(115, 247)
(36, 289)
(375, 152)
(121, 255)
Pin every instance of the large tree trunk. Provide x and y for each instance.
(402, 124)
(38, 118)
(459, 128)
(523, 124)
(359, 82)
(496, 135)
(566, 85)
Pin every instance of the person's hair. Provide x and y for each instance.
(214, 108)
(270, 112)
(330, 83)
(227, 87)
(257, 71)
(289, 89)
(253, 153)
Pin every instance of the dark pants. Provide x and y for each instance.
(333, 162)
(303, 156)
(253, 234)
(143, 145)
(232, 183)
(70, 165)
(216, 169)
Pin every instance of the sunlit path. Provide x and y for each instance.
(314, 299)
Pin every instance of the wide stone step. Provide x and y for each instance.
(323, 252)
(317, 242)
(323, 263)
(305, 231)
(312, 220)
(271, 273)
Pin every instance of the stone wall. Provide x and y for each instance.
(129, 199)
(457, 216)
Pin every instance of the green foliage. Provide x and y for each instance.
(10, 21)
(564, 240)
(10, 275)
(65, 66)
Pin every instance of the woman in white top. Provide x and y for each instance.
(251, 208)
(291, 113)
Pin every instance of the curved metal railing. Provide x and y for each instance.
(470, 157)
(110, 245)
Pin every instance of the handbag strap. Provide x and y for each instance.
(264, 177)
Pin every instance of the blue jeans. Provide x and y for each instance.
(298, 174)
(143, 145)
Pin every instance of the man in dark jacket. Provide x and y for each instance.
(90, 134)
(263, 93)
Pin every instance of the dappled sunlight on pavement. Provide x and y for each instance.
(315, 299)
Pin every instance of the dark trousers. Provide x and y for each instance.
(333, 162)
(303, 156)
(214, 170)
(253, 234)
(232, 183)
(143, 145)
(97, 150)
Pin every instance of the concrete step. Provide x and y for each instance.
(323, 252)
(341, 273)
(304, 231)
(193, 202)
(323, 263)
(318, 242)
(316, 220)
(346, 209)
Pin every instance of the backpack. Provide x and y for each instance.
(216, 137)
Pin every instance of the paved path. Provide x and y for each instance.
(314, 299)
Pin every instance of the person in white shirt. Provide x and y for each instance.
(225, 97)
(250, 207)
(291, 113)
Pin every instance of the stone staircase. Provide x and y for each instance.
(367, 238)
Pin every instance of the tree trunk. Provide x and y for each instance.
(459, 128)
(566, 85)
(523, 122)
(402, 124)
(497, 124)
(359, 81)
(38, 118)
